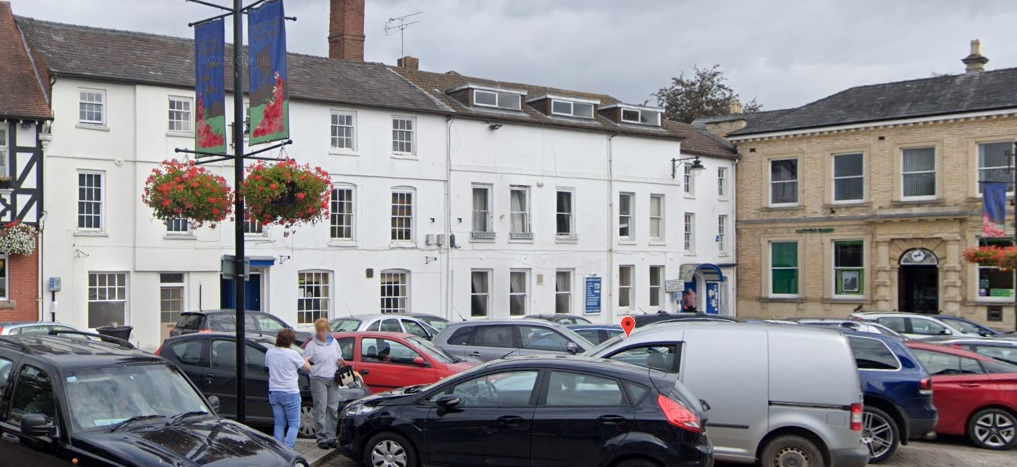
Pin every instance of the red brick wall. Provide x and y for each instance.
(346, 30)
(22, 289)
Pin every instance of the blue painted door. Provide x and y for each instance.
(713, 297)
(252, 293)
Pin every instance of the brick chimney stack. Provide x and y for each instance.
(734, 107)
(975, 61)
(412, 63)
(346, 30)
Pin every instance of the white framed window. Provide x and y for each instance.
(625, 276)
(519, 291)
(689, 179)
(849, 267)
(91, 196)
(404, 135)
(4, 285)
(783, 182)
(571, 109)
(498, 99)
(722, 182)
(4, 171)
(402, 215)
(995, 283)
(180, 115)
(563, 291)
(641, 117)
(565, 215)
(994, 164)
(92, 107)
(107, 299)
(722, 234)
(395, 291)
(482, 221)
(519, 213)
(918, 173)
(480, 293)
(626, 212)
(784, 269)
(342, 216)
(252, 227)
(657, 217)
(343, 127)
(313, 295)
(848, 178)
(657, 286)
(690, 233)
(178, 226)
(171, 297)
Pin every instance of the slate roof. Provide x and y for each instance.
(928, 97)
(21, 92)
(141, 58)
(693, 140)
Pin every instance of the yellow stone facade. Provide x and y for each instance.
(890, 227)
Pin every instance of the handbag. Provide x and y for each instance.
(344, 375)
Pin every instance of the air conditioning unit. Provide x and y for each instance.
(439, 239)
(429, 239)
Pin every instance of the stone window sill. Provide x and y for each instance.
(7, 305)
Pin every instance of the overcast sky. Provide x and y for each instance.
(784, 53)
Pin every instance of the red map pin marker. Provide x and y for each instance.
(627, 324)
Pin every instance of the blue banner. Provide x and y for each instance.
(994, 210)
(269, 84)
(592, 295)
(209, 87)
(713, 298)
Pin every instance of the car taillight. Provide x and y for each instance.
(204, 330)
(679, 415)
(925, 386)
(856, 417)
(157, 350)
(1, 329)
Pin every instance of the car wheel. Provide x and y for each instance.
(880, 434)
(306, 422)
(791, 451)
(389, 450)
(993, 429)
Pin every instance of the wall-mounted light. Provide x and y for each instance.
(696, 166)
(284, 258)
(430, 259)
(493, 126)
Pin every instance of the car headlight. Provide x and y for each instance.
(358, 409)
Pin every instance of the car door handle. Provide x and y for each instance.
(970, 385)
(210, 375)
(611, 419)
(510, 420)
(474, 354)
(364, 372)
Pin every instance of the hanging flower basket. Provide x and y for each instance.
(1004, 258)
(285, 193)
(183, 190)
(18, 239)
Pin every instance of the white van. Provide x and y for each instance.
(787, 396)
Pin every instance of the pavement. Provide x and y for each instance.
(948, 452)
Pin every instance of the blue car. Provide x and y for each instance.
(897, 393)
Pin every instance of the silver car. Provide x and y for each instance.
(32, 327)
(491, 340)
(784, 396)
(391, 322)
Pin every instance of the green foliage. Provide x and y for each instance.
(184, 190)
(286, 193)
(704, 94)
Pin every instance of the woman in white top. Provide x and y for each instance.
(283, 390)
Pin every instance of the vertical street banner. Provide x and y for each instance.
(592, 295)
(994, 209)
(209, 87)
(269, 87)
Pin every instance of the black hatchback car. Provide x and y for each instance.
(226, 321)
(66, 400)
(535, 410)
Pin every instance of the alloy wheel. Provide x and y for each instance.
(791, 457)
(994, 429)
(877, 434)
(306, 429)
(388, 453)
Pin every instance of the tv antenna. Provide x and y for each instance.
(391, 27)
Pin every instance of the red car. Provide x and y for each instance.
(976, 395)
(389, 360)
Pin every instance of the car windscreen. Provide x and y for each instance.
(432, 350)
(344, 325)
(435, 322)
(100, 398)
(604, 346)
(189, 322)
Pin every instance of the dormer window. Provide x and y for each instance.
(497, 99)
(571, 109)
(632, 114)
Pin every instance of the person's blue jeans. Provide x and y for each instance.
(286, 412)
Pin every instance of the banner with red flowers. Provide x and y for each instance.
(209, 88)
(266, 39)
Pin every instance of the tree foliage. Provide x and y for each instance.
(702, 94)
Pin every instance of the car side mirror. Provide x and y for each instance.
(449, 401)
(572, 347)
(946, 332)
(37, 424)
(214, 404)
(419, 361)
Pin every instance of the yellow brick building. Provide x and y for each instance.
(869, 196)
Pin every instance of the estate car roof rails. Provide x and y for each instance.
(8, 342)
(102, 337)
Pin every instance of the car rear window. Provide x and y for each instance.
(189, 322)
(636, 392)
(872, 354)
(461, 336)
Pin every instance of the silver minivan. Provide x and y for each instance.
(491, 340)
(787, 396)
